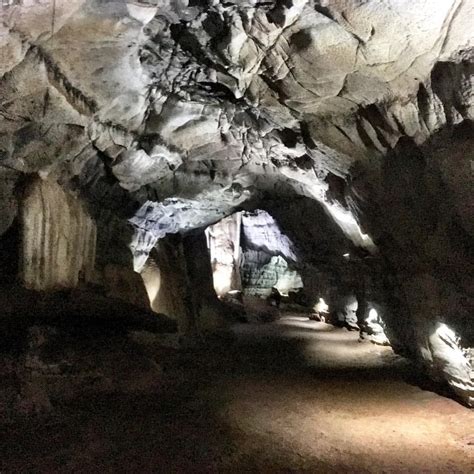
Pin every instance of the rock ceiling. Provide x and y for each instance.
(216, 101)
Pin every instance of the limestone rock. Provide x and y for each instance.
(59, 238)
(172, 115)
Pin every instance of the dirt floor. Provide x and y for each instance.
(288, 396)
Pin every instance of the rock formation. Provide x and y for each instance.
(58, 238)
(151, 118)
(224, 247)
(268, 256)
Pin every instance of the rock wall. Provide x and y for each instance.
(122, 283)
(418, 210)
(265, 257)
(262, 233)
(179, 282)
(59, 246)
(208, 311)
(58, 238)
(164, 278)
(262, 271)
(223, 240)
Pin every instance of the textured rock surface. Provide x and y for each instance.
(178, 280)
(122, 283)
(262, 271)
(173, 115)
(267, 256)
(164, 279)
(58, 238)
(223, 240)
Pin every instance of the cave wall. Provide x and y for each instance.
(320, 245)
(209, 312)
(53, 247)
(326, 256)
(58, 246)
(58, 238)
(164, 278)
(246, 251)
(420, 214)
(262, 271)
(267, 256)
(223, 240)
(122, 283)
(179, 281)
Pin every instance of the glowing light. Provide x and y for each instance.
(222, 277)
(151, 276)
(346, 255)
(446, 332)
(321, 306)
(373, 316)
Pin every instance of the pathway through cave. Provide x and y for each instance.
(293, 395)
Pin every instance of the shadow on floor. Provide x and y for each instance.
(240, 404)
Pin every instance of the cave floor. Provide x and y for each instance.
(288, 396)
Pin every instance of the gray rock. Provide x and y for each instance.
(164, 117)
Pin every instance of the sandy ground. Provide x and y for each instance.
(289, 396)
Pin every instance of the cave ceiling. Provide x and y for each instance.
(175, 113)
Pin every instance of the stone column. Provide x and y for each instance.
(224, 247)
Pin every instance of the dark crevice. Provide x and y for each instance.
(288, 137)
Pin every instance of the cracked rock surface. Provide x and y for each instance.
(164, 117)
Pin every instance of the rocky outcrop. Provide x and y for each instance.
(164, 278)
(262, 271)
(223, 240)
(121, 282)
(58, 238)
(179, 282)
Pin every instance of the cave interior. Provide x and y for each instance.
(210, 208)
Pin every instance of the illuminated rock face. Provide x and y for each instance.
(223, 239)
(58, 238)
(262, 271)
(268, 255)
(173, 116)
(250, 253)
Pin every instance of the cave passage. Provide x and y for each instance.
(251, 344)
(236, 236)
(254, 261)
(250, 254)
